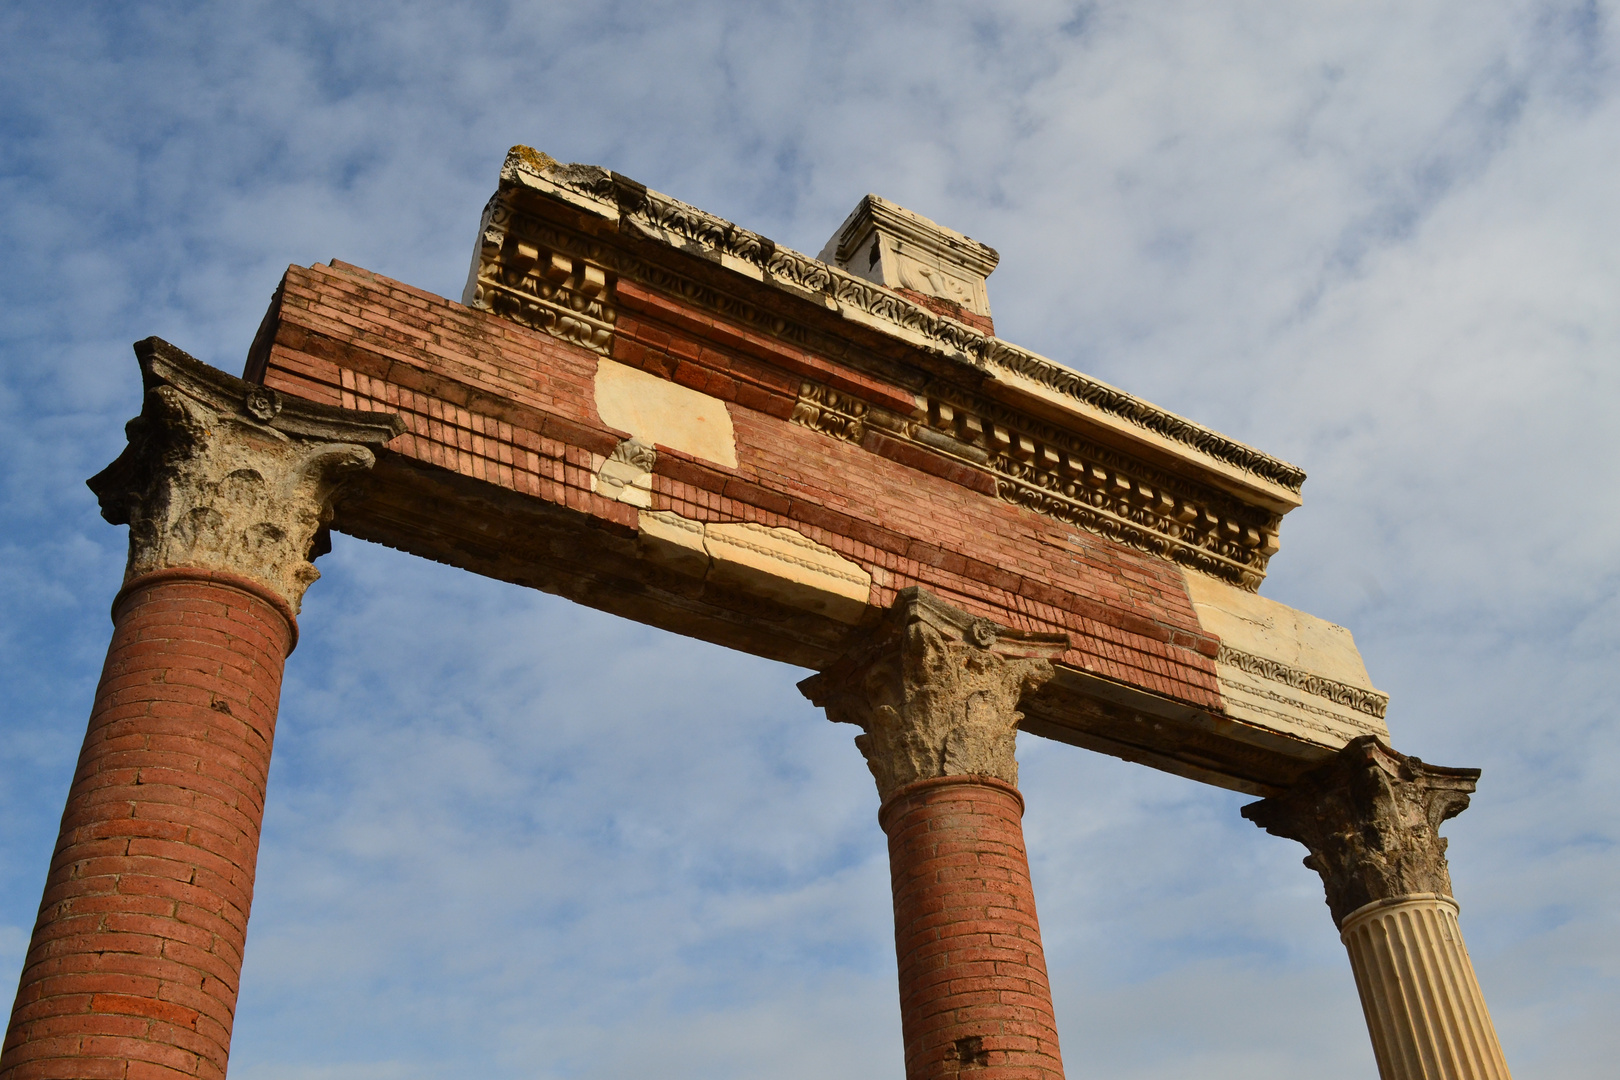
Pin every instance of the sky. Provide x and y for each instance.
(514, 838)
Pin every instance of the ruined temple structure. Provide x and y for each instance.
(828, 461)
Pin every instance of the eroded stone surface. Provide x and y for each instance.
(1285, 669)
(777, 564)
(220, 474)
(657, 411)
(935, 691)
(1371, 819)
(627, 473)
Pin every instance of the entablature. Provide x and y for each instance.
(556, 239)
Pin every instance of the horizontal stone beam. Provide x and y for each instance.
(624, 418)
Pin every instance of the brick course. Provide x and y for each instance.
(499, 403)
(135, 959)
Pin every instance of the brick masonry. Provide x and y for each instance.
(974, 996)
(493, 401)
(134, 964)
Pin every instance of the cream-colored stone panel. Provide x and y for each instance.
(627, 474)
(658, 411)
(774, 564)
(1270, 704)
(1287, 670)
(1262, 626)
(674, 541)
(788, 567)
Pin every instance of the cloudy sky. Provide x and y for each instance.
(512, 838)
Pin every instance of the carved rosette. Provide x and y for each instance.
(1371, 819)
(224, 475)
(935, 691)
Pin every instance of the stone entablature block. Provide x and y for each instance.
(618, 218)
(756, 466)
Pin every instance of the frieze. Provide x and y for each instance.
(829, 412)
(541, 285)
(1358, 698)
(782, 265)
(1062, 477)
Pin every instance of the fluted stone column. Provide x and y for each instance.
(936, 693)
(133, 968)
(1371, 819)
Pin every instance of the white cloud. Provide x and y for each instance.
(511, 837)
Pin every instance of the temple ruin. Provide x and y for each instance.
(832, 462)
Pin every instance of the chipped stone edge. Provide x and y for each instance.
(618, 198)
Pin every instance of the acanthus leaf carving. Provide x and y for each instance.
(220, 474)
(1371, 820)
(935, 692)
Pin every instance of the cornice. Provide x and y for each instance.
(637, 209)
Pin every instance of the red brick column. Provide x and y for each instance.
(974, 997)
(136, 958)
(935, 692)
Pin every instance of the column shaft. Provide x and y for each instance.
(227, 489)
(935, 692)
(1371, 818)
(974, 996)
(137, 953)
(1424, 1008)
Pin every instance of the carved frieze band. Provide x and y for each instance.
(1060, 476)
(1358, 698)
(541, 286)
(650, 209)
(1037, 466)
(829, 412)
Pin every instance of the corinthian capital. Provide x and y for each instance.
(1371, 819)
(935, 691)
(220, 474)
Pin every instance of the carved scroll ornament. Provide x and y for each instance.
(935, 692)
(224, 475)
(1371, 819)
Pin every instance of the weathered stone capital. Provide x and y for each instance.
(1371, 819)
(223, 475)
(936, 692)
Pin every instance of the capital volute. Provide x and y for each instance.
(1371, 819)
(935, 692)
(224, 475)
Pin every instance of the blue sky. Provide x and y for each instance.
(514, 838)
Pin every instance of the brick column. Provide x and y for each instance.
(1371, 819)
(936, 693)
(134, 964)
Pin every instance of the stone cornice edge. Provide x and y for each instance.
(655, 215)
